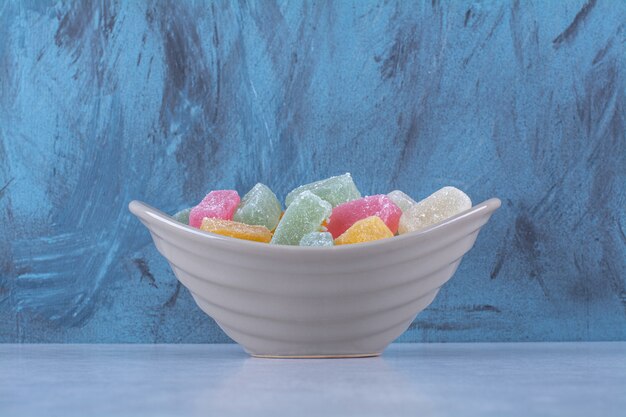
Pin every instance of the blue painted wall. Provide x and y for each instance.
(104, 102)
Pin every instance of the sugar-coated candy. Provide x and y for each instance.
(335, 190)
(323, 213)
(259, 207)
(182, 216)
(236, 229)
(435, 208)
(317, 239)
(365, 230)
(346, 214)
(220, 204)
(401, 200)
(304, 215)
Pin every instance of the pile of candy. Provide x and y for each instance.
(324, 213)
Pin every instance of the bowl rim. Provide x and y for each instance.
(148, 213)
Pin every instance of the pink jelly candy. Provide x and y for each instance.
(220, 204)
(346, 214)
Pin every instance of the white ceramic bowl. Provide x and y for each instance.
(290, 301)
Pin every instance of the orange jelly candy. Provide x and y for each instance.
(236, 230)
(365, 230)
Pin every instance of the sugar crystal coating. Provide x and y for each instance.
(220, 204)
(365, 230)
(401, 200)
(236, 230)
(335, 190)
(435, 208)
(317, 239)
(259, 207)
(346, 214)
(182, 216)
(304, 215)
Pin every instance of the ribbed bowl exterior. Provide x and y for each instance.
(303, 301)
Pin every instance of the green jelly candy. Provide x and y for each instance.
(182, 216)
(317, 239)
(259, 207)
(335, 190)
(305, 215)
(401, 200)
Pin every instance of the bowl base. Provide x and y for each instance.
(339, 356)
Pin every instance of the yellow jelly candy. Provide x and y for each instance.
(236, 230)
(365, 230)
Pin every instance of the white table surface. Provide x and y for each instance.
(543, 379)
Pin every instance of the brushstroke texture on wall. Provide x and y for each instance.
(104, 102)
